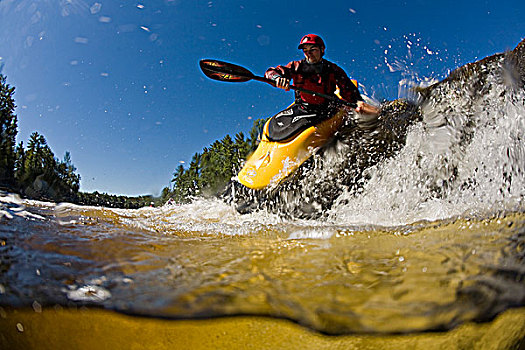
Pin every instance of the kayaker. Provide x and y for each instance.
(317, 74)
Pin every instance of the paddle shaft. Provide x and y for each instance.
(313, 93)
(230, 69)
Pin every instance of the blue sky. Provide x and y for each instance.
(117, 82)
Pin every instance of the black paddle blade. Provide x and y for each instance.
(224, 71)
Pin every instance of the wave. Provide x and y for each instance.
(455, 149)
(455, 162)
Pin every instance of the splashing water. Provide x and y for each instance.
(439, 175)
(432, 239)
(205, 260)
(409, 59)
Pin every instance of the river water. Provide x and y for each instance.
(204, 259)
(434, 238)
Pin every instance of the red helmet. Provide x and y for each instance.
(311, 39)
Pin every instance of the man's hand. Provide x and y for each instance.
(365, 108)
(282, 83)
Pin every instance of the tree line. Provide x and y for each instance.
(32, 171)
(211, 170)
(35, 172)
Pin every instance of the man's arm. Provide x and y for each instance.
(282, 75)
(365, 108)
(350, 93)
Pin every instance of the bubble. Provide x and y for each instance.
(81, 40)
(153, 37)
(89, 293)
(263, 40)
(37, 307)
(29, 41)
(95, 8)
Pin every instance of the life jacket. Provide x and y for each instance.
(324, 77)
(315, 77)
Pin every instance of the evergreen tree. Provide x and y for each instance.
(242, 149)
(179, 191)
(210, 171)
(193, 174)
(41, 175)
(217, 166)
(255, 133)
(226, 156)
(165, 195)
(37, 158)
(71, 179)
(36, 173)
(67, 182)
(20, 160)
(8, 131)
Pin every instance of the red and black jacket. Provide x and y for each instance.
(323, 77)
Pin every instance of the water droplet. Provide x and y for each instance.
(95, 8)
(81, 40)
(37, 307)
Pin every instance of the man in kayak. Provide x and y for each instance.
(320, 75)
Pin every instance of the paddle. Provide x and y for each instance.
(224, 71)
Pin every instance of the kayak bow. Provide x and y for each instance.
(273, 161)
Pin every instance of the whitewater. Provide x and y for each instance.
(433, 237)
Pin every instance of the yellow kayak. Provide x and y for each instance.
(273, 161)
